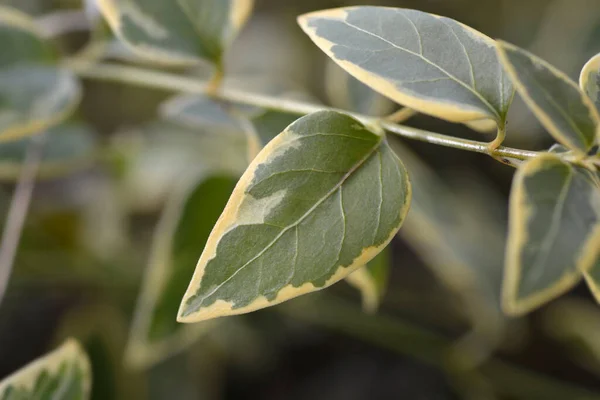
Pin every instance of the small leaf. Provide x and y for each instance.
(558, 103)
(183, 230)
(319, 201)
(371, 280)
(348, 93)
(431, 64)
(554, 232)
(589, 80)
(34, 95)
(69, 146)
(63, 374)
(184, 32)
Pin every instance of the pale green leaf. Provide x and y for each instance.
(554, 232)
(558, 103)
(348, 93)
(184, 32)
(179, 239)
(432, 64)
(69, 147)
(34, 94)
(63, 374)
(303, 216)
(589, 80)
(371, 280)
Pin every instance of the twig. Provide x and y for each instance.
(18, 209)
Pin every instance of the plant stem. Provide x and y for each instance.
(18, 209)
(168, 81)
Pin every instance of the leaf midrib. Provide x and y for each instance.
(452, 77)
(295, 224)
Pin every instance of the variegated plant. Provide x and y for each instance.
(276, 196)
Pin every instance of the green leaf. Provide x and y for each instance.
(63, 374)
(348, 93)
(432, 64)
(558, 103)
(34, 95)
(184, 32)
(589, 79)
(554, 232)
(183, 230)
(303, 216)
(70, 146)
(371, 280)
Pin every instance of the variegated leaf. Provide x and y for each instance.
(432, 64)
(371, 280)
(63, 374)
(179, 239)
(562, 108)
(34, 94)
(554, 232)
(69, 147)
(184, 32)
(589, 80)
(303, 216)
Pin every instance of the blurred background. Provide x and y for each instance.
(438, 333)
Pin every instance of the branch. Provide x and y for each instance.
(172, 82)
(18, 209)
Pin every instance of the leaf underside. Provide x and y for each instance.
(303, 216)
(562, 108)
(432, 64)
(61, 375)
(554, 231)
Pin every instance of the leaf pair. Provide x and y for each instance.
(61, 375)
(34, 93)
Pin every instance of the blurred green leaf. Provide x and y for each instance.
(371, 280)
(34, 95)
(63, 374)
(69, 147)
(589, 80)
(298, 223)
(554, 231)
(183, 230)
(558, 103)
(185, 32)
(432, 64)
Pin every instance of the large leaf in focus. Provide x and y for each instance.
(33, 94)
(63, 374)
(183, 32)
(303, 216)
(562, 108)
(589, 80)
(371, 280)
(554, 232)
(179, 239)
(432, 64)
(69, 146)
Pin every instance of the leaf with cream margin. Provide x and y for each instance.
(63, 374)
(554, 232)
(303, 216)
(589, 80)
(557, 102)
(183, 230)
(432, 64)
(69, 147)
(34, 94)
(185, 32)
(371, 280)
